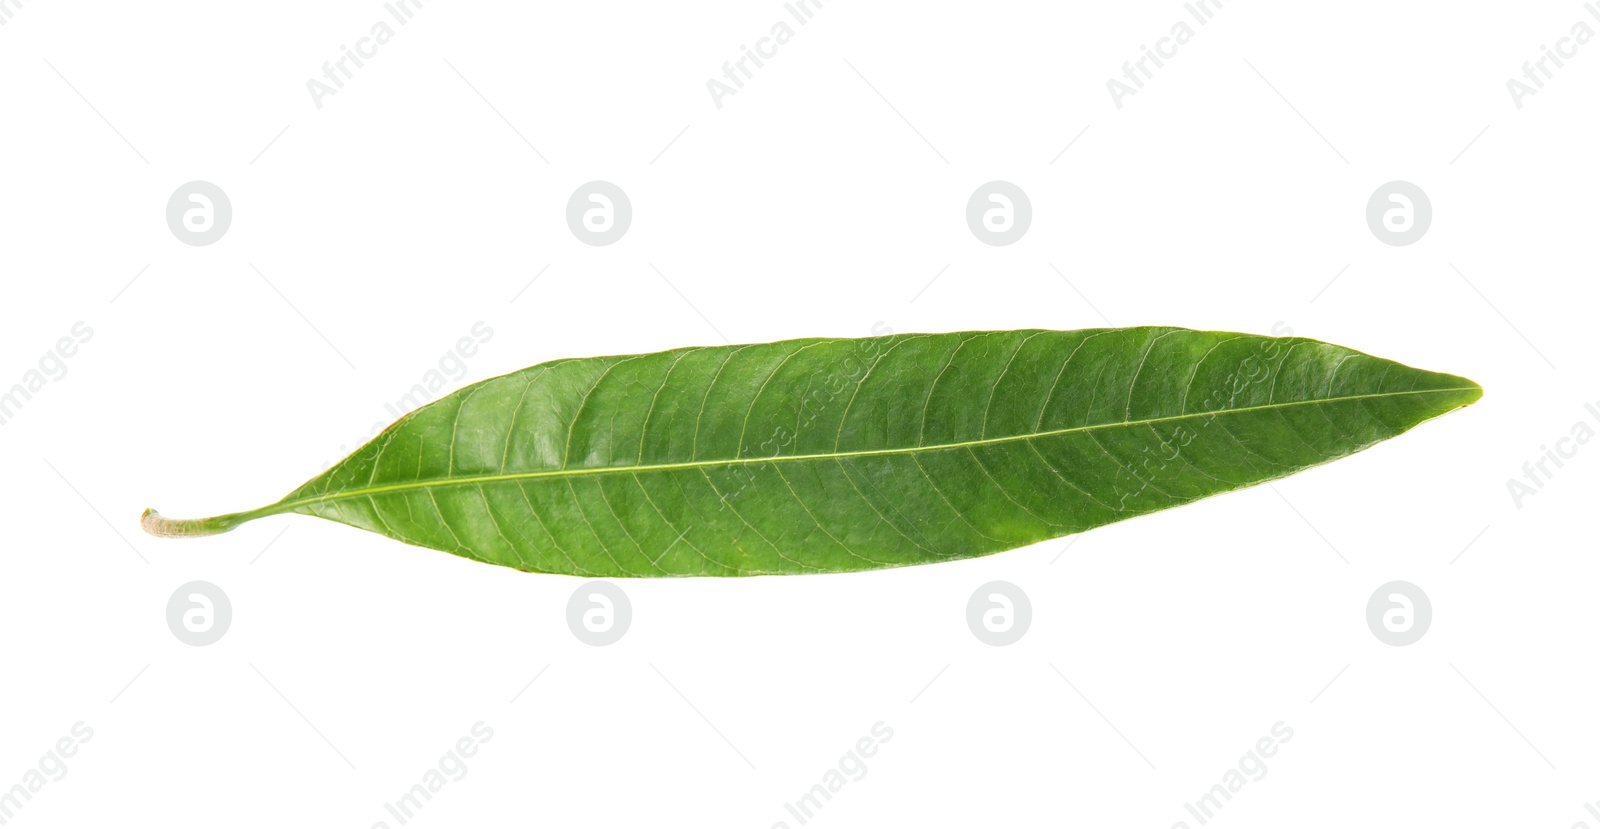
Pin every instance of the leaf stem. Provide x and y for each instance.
(161, 526)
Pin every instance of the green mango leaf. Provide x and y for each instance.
(824, 456)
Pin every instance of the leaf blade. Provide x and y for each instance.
(838, 455)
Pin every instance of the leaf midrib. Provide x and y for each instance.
(908, 450)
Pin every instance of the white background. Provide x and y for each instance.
(413, 204)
